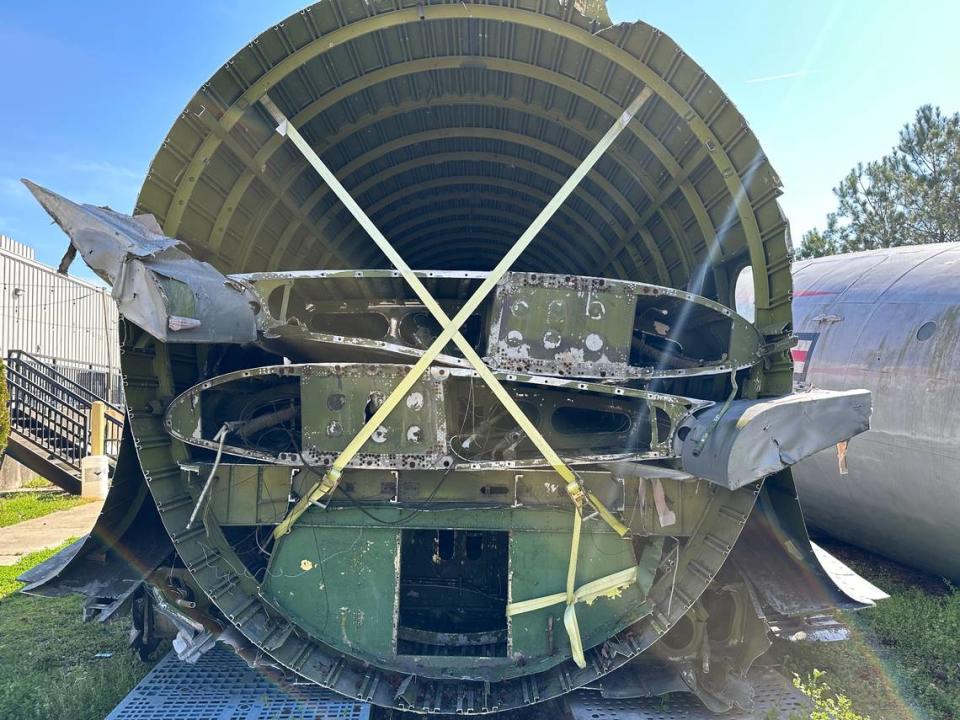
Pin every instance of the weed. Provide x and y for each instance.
(37, 483)
(825, 706)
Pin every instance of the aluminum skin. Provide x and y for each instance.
(887, 320)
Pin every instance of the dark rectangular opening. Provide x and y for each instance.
(453, 593)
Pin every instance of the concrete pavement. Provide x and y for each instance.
(47, 531)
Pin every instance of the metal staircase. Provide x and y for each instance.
(52, 419)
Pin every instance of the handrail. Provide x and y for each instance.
(38, 401)
(64, 363)
(100, 379)
(45, 383)
(48, 370)
(61, 435)
(25, 377)
(53, 411)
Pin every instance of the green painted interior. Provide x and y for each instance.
(339, 584)
(347, 597)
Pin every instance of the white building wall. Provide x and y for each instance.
(46, 313)
(8, 244)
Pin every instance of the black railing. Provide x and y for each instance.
(55, 412)
(103, 381)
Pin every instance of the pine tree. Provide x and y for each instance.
(908, 197)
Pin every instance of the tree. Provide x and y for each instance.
(908, 197)
(4, 409)
(814, 244)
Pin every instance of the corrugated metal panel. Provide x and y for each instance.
(50, 314)
(10, 245)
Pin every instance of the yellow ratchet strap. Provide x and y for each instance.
(586, 593)
(450, 328)
(607, 586)
(572, 595)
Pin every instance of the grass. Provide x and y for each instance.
(48, 668)
(9, 573)
(17, 507)
(37, 483)
(923, 634)
(903, 660)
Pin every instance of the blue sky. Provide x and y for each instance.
(90, 89)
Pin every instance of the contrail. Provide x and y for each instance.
(784, 76)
